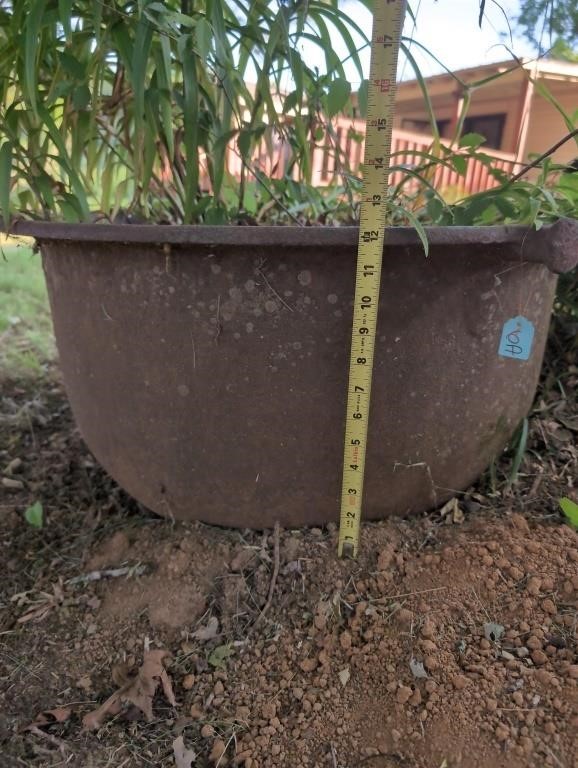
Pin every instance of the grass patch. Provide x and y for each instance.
(26, 340)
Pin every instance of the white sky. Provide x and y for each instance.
(449, 29)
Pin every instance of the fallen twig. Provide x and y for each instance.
(333, 755)
(48, 736)
(111, 573)
(275, 574)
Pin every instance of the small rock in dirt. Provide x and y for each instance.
(345, 640)
(534, 586)
(549, 607)
(459, 682)
(572, 671)
(527, 744)
(533, 643)
(544, 677)
(385, 558)
(502, 733)
(242, 560)
(207, 731)
(298, 693)
(219, 688)
(196, 712)
(85, 683)
(12, 485)
(520, 522)
(308, 665)
(428, 630)
(403, 617)
(538, 657)
(217, 751)
(188, 682)
(13, 466)
(403, 694)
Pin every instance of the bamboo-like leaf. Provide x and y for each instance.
(64, 160)
(140, 59)
(191, 123)
(6, 152)
(425, 92)
(33, 26)
(65, 17)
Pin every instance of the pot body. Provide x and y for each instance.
(209, 379)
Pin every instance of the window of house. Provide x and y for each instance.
(423, 126)
(490, 126)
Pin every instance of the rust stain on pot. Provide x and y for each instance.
(202, 388)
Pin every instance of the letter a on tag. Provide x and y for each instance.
(517, 338)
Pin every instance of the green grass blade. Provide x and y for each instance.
(519, 455)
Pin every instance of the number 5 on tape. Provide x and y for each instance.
(517, 338)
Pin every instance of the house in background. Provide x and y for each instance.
(512, 112)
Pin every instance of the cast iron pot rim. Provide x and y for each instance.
(235, 235)
(553, 245)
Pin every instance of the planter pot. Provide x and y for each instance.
(207, 367)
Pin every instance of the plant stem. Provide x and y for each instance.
(543, 156)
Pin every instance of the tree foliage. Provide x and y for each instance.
(544, 22)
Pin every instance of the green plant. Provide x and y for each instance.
(570, 510)
(34, 515)
(123, 106)
(124, 110)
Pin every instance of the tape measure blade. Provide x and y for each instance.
(385, 43)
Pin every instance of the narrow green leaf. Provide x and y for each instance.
(520, 451)
(33, 29)
(6, 152)
(191, 123)
(164, 77)
(64, 160)
(417, 225)
(203, 38)
(140, 59)
(34, 515)
(65, 17)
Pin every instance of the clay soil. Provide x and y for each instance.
(451, 641)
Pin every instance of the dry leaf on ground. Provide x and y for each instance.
(49, 717)
(209, 632)
(138, 691)
(40, 608)
(184, 757)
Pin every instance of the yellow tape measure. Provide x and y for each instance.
(387, 27)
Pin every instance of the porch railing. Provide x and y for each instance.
(342, 152)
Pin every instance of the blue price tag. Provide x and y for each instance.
(517, 338)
